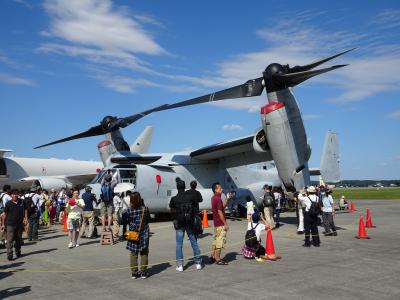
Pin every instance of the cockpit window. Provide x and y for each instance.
(3, 167)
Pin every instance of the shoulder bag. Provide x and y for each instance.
(133, 235)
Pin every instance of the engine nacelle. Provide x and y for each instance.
(106, 150)
(49, 183)
(260, 143)
(287, 139)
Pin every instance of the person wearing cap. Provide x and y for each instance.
(87, 227)
(310, 221)
(259, 252)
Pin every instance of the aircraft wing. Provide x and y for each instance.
(232, 153)
(67, 180)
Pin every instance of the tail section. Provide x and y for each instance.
(142, 143)
(329, 167)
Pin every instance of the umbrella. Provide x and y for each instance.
(123, 187)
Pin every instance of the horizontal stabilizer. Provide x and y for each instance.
(2, 151)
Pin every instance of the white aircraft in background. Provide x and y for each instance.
(52, 173)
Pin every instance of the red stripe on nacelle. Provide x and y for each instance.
(271, 107)
(104, 143)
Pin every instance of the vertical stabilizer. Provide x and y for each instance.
(142, 143)
(329, 166)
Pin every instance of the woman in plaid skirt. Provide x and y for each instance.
(138, 216)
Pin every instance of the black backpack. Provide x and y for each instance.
(30, 205)
(315, 208)
(185, 214)
(251, 237)
(268, 200)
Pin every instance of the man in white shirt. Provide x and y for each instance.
(117, 202)
(4, 198)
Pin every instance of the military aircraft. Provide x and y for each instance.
(282, 138)
(24, 172)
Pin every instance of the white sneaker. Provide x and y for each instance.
(179, 268)
(199, 266)
(77, 245)
(70, 245)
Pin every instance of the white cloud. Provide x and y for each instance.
(24, 3)
(230, 127)
(14, 80)
(395, 114)
(98, 24)
(383, 164)
(373, 67)
(102, 34)
(387, 19)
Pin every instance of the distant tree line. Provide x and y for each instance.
(365, 183)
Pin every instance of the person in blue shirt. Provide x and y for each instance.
(328, 213)
(88, 213)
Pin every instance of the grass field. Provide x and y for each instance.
(367, 193)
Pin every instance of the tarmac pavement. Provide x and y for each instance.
(343, 267)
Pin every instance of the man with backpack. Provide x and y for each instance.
(185, 207)
(32, 204)
(106, 197)
(312, 211)
(4, 198)
(269, 205)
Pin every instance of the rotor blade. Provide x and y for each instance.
(293, 79)
(93, 131)
(133, 118)
(99, 130)
(311, 66)
(250, 88)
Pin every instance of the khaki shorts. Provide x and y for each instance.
(106, 209)
(219, 237)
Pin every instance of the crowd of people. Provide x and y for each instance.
(27, 211)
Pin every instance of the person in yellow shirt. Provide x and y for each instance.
(74, 209)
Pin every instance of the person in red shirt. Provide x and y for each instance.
(220, 223)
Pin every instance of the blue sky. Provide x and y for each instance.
(64, 65)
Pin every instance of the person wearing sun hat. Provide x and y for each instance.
(308, 196)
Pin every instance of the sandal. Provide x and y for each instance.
(221, 263)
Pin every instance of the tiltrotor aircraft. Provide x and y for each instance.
(282, 138)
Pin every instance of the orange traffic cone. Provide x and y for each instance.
(369, 223)
(269, 247)
(353, 207)
(362, 234)
(205, 219)
(64, 222)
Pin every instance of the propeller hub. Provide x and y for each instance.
(107, 123)
(272, 79)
